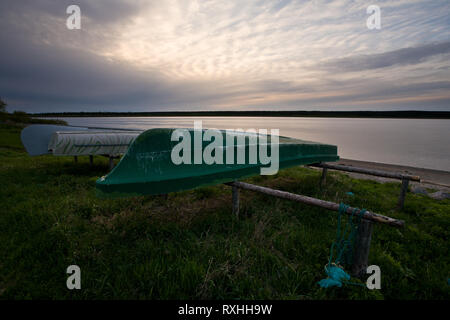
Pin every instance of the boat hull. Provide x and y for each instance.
(35, 138)
(147, 167)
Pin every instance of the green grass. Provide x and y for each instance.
(190, 246)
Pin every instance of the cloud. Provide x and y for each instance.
(402, 56)
(201, 55)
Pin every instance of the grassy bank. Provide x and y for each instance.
(191, 246)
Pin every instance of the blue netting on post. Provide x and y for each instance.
(342, 249)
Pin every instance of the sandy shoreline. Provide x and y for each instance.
(434, 179)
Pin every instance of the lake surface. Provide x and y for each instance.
(423, 143)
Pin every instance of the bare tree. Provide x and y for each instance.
(2, 105)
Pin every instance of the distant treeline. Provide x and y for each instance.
(20, 117)
(322, 114)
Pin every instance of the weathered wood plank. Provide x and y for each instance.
(372, 172)
(401, 198)
(362, 248)
(323, 178)
(235, 196)
(317, 202)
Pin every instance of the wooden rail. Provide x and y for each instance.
(368, 215)
(405, 178)
(392, 175)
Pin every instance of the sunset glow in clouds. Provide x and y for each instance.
(227, 55)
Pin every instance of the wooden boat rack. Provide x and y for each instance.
(364, 236)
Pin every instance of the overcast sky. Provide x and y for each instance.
(168, 55)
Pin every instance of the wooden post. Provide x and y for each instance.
(235, 199)
(91, 160)
(75, 158)
(323, 178)
(111, 163)
(362, 248)
(401, 199)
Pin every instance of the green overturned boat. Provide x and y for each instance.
(160, 161)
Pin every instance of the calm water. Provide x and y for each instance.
(413, 142)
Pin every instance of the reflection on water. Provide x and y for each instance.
(421, 143)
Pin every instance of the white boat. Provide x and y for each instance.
(76, 141)
(91, 142)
